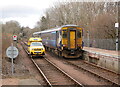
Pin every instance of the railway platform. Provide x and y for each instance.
(104, 58)
(102, 52)
(29, 82)
(17, 82)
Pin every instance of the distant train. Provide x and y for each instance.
(65, 41)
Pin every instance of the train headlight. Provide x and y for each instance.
(78, 45)
(64, 45)
(31, 49)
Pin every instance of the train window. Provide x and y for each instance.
(79, 34)
(64, 34)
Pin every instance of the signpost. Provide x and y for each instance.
(12, 52)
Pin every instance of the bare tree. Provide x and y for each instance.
(96, 18)
(12, 27)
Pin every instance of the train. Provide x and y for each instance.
(65, 41)
(35, 47)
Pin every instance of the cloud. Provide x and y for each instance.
(24, 21)
(26, 12)
(20, 11)
(25, 15)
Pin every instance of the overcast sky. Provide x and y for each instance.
(26, 12)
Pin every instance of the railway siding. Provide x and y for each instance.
(103, 58)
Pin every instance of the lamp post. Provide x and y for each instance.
(88, 38)
(116, 26)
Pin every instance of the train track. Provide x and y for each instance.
(52, 74)
(91, 68)
(94, 73)
(97, 71)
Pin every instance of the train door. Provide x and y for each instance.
(72, 39)
(58, 39)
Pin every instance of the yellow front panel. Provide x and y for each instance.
(72, 39)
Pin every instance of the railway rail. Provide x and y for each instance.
(100, 72)
(93, 69)
(52, 74)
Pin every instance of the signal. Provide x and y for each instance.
(14, 37)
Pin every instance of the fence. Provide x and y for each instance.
(108, 44)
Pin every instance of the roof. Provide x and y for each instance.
(70, 25)
(49, 30)
(55, 29)
(35, 39)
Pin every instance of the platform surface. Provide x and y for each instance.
(28, 82)
(103, 52)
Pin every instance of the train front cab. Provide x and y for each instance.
(71, 42)
(34, 39)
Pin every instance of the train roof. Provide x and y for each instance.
(35, 39)
(50, 30)
(70, 25)
(55, 29)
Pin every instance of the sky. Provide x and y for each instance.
(26, 12)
